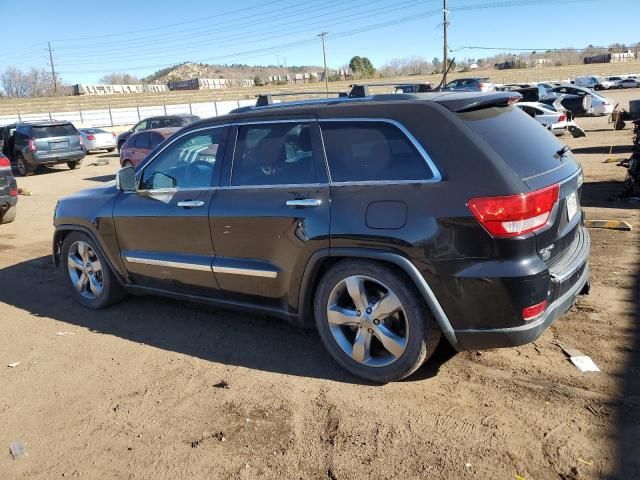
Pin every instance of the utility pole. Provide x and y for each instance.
(278, 61)
(445, 24)
(53, 70)
(324, 55)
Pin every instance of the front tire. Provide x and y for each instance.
(88, 275)
(9, 216)
(373, 322)
(73, 165)
(23, 168)
(110, 150)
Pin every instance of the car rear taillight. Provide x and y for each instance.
(13, 192)
(4, 162)
(534, 311)
(563, 118)
(91, 137)
(32, 145)
(514, 215)
(114, 134)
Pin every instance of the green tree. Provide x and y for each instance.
(437, 65)
(362, 67)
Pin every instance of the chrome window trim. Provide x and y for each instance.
(168, 263)
(245, 271)
(437, 176)
(284, 186)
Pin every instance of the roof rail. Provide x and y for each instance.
(267, 98)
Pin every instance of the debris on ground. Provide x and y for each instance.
(26, 193)
(609, 224)
(579, 359)
(18, 449)
(64, 334)
(222, 384)
(13, 365)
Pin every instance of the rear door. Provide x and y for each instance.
(140, 147)
(272, 213)
(163, 229)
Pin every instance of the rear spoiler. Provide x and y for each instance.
(466, 104)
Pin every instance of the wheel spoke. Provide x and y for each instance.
(342, 316)
(355, 287)
(387, 305)
(393, 343)
(94, 285)
(75, 262)
(83, 251)
(361, 346)
(95, 266)
(80, 283)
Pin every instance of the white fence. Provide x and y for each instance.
(109, 117)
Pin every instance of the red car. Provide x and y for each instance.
(138, 145)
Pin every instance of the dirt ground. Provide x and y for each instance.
(157, 389)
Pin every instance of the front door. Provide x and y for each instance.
(272, 213)
(163, 228)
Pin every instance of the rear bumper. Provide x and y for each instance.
(7, 201)
(568, 279)
(52, 159)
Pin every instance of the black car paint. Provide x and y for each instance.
(7, 185)
(476, 285)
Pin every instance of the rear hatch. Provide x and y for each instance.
(538, 159)
(52, 139)
(102, 138)
(7, 182)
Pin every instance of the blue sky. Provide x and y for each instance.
(140, 37)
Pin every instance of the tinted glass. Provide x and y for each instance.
(528, 149)
(92, 131)
(141, 141)
(140, 126)
(156, 139)
(371, 151)
(190, 162)
(64, 130)
(274, 154)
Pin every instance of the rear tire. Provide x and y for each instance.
(9, 216)
(23, 168)
(73, 165)
(87, 273)
(110, 150)
(374, 344)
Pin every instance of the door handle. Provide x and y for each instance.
(304, 202)
(191, 203)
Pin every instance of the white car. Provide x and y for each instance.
(553, 117)
(97, 139)
(600, 105)
(594, 82)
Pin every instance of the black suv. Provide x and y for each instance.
(387, 221)
(167, 121)
(8, 192)
(29, 145)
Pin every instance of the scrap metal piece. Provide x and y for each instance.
(609, 224)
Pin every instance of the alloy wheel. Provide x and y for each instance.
(367, 321)
(85, 270)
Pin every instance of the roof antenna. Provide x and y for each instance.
(444, 75)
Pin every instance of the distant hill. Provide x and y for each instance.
(187, 70)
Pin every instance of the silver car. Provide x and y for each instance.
(98, 139)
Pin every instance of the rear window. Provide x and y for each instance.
(371, 151)
(92, 131)
(526, 146)
(64, 130)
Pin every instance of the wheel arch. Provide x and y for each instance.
(323, 259)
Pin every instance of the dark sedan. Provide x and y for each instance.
(167, 121)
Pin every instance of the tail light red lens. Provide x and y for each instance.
(32, 145)
(13, 193)
(563, 118)
(4, 162)
(514, 215)
(91, 137)
(534, 311)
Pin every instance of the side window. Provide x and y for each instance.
(155, 140)
(141, 141)
(371, 151)
(140, 126)
(155, 123)
(274, 154)
(189, 162)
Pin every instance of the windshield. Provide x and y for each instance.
(47, 131)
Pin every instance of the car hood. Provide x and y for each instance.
(106, 189)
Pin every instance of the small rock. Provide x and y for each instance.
(222, 384)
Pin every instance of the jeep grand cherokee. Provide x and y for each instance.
(386, 221)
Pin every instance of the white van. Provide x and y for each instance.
(594, 82)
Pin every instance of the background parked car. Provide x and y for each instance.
(8, 192)
(476, 84)
(157, 122)
(29, 145)
(554, 117)
(601, 105)
(97, 139)
(138, 145)
(594, 82)
(577, 105)
(628, 83)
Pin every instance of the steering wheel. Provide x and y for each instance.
(199, 173)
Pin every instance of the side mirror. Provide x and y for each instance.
(126, 180)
